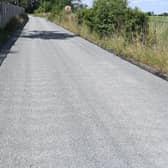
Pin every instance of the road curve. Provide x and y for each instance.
(66, 103)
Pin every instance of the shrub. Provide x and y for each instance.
(136, 25)
(86, 16)
(109, 16)
(113, 17)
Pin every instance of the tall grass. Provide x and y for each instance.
(153, 53)
(159, 25)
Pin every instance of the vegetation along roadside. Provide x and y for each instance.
(114, 26)
(14, 24)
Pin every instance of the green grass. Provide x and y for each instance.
(159, 18)
(159, 26)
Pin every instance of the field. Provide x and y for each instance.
(158, 28)
(159, 25)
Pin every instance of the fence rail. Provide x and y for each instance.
(7, 11)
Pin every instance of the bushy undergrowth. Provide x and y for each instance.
(109, 17)
(11, 27)
(106, 17)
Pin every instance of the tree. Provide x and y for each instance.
(150, 13)
(109, 15)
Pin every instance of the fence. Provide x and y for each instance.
(7, 11)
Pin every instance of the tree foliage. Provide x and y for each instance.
(109, 17)
(106, 17)
(54, 6)
(29, 5)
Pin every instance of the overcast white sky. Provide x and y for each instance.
(157, 6)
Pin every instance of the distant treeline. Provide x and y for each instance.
(153, 14)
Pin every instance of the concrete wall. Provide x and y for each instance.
(7, 11)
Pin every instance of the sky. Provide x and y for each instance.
(156, 6)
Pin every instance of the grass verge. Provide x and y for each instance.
(152, 57)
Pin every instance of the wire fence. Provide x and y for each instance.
(7, 11)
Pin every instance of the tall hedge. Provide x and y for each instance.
(111, 17)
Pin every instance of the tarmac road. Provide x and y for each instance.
(66, 103)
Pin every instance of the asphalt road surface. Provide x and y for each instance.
(66, 103)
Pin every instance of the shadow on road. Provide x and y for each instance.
(47, 35)
(6, 48)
